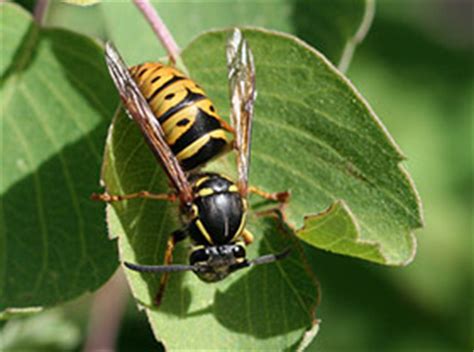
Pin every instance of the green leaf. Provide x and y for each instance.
(334, 27)
(267, 306)
(50, 331)
(82, 2)
(313, 134)
(55, 102)
(337, 231)
(185, 21)
(15, 32)
(19, 312)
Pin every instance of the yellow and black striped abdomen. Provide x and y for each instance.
(193, 129)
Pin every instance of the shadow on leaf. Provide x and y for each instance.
(55, 246)
(272, 299)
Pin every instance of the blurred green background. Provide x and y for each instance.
(415, 67)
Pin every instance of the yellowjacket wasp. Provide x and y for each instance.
(213, 208)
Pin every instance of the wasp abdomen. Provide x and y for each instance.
(193, 129)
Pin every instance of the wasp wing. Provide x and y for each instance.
(241, 75)
(139, 110)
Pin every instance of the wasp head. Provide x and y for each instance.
(214, 263)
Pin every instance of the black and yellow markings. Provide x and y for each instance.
(196, 145)
(202, 125)
(248, 237)
(234, 189)
(206, 185)
(213, 207)
(205, 192)
(209, 189)
(240, 230)
(194, 211)
(192, 127)
(201, 180)
(203, 231)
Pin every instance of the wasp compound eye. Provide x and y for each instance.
(239, 251)
(197, 256)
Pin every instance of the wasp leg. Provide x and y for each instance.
(175, 237)
(248, 237)
(227, 127)
(105, 197)
(281, 197)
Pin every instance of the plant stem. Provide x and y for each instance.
(159, 28)
(351, 44)
(106, 314)
(40, 10)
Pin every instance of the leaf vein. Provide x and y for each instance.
(67, 176)
(39, 206)
(72, 113)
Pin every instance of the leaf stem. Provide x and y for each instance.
(106, 314)
(39, 11)
(159, 28)
(351, 44)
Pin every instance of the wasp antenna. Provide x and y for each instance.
(159, 268)
(270, 258)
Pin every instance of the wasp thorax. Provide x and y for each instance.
(218, 211)
(217, 262)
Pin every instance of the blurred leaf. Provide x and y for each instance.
(439, 103)
(425, 99)
(82, 2)
(87, 20)
(334, 27)
(49, 331)
(186, 20)
(12, 40)
(55, 105)
(346, 155)
(19, 312)
(28, 5)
